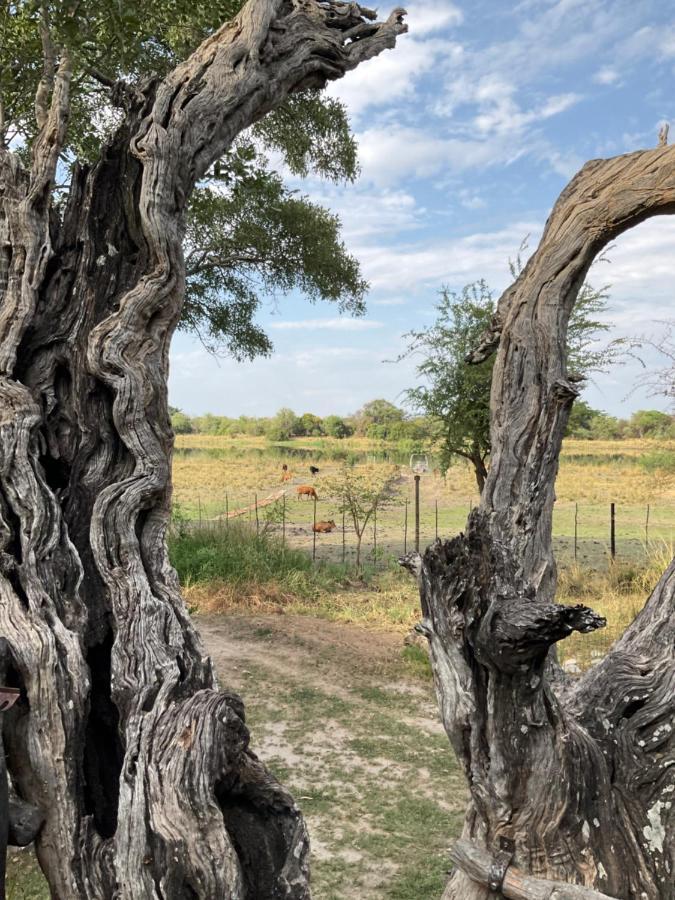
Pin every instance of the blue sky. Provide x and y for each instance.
(467, 133)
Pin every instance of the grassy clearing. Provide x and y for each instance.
(212, 474)
(236, 570)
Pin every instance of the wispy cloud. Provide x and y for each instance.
(326, 324)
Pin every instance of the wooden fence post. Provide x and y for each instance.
(405, 528)
(375, 536)
(344, 545)
(612, 530)
(314, 534)
(576, 529)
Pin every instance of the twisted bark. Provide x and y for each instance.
(579, 776)
(139, 764)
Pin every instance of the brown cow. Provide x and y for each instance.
(324, 527)
(306, 490)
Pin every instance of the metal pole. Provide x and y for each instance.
(417, 513)
(576, 528)
(405, 528)
(314, 533)
(612, 530)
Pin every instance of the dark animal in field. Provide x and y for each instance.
(306, 490)
(314, 470)
(284, 468)
(324, 527)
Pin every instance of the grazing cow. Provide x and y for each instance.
(306, 490)
(324, 527)
(314, 470)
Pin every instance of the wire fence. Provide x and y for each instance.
(590, 536)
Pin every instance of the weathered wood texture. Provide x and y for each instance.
(580, 775)
(123, 741)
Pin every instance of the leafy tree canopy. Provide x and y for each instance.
(249, 237)
(457, 394)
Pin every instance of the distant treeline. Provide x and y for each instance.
(383, 420)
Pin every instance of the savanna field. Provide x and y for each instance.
(339, 698)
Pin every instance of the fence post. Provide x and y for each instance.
(283, 522)
(314, 534)
(612, 530)
(405, 528)
(576, 528)
(647, 529)
(437, 518)
(257, 520)
(375, 536)
(417, 513)
(344, 545)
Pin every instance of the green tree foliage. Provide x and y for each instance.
(457, 394)
(310, 425)
(283, 426)
(249, 236)
(376, 412)
(337, 427)
(252, 238)
(651, 423)
(181, 423)
(588, 423)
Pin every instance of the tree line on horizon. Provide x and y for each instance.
(382, 420)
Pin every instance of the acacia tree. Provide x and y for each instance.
(572, 781)
(360, 493)
(138, 764)
(456, 393)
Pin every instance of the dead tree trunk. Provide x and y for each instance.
(577, 777)
(123, 742)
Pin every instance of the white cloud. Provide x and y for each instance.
(427, 17)
(424, 267)
(389, 154)
(392, 77)
(323, 324)
(606, 75)
(389, 301)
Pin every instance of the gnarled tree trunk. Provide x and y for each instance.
(575, 778)
(124, 743)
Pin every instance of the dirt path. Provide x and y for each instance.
(338, 716)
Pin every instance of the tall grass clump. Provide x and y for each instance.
(250, 565)
(618, 594)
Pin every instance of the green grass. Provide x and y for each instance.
(235, 554)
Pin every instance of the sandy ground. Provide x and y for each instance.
(338, 717)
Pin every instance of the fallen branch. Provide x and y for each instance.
(479, 865)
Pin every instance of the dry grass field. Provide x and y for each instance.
(212, 474)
